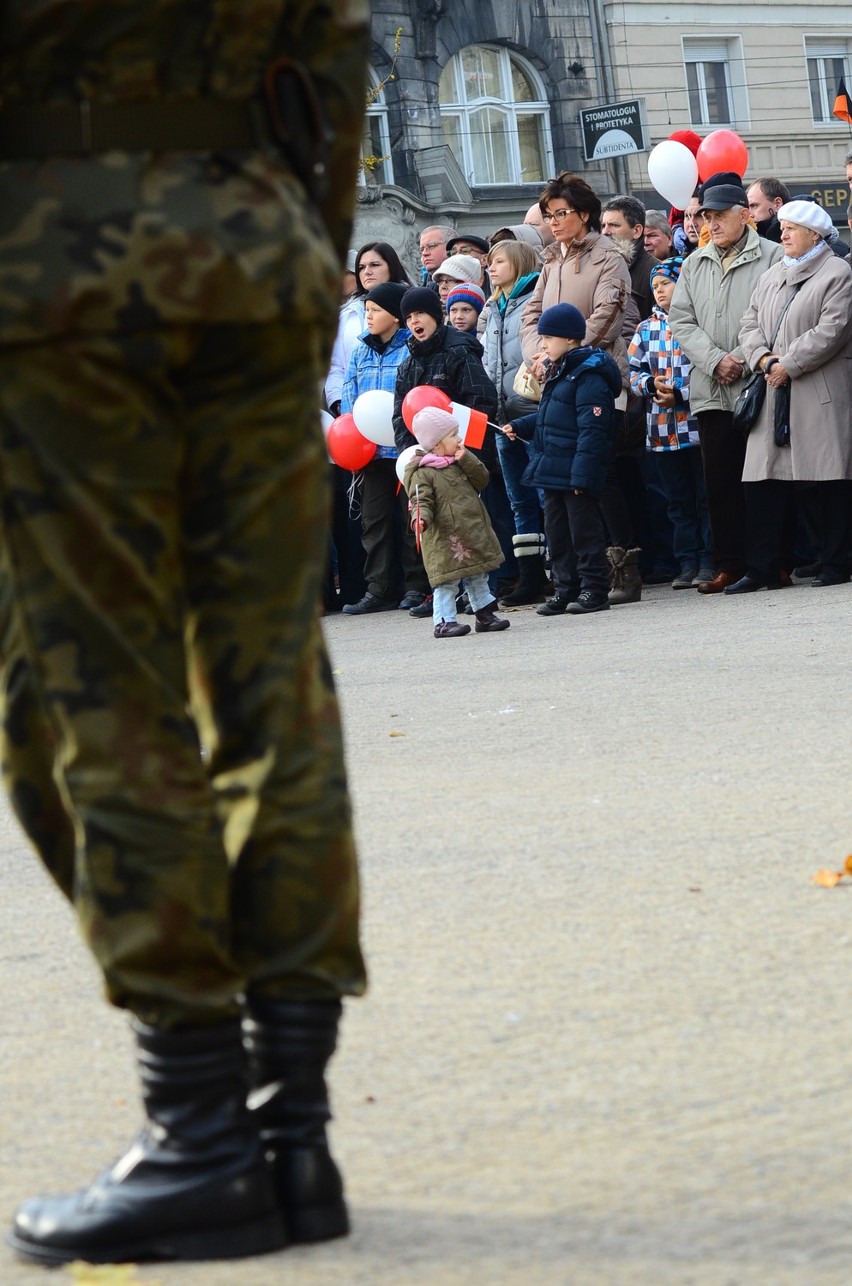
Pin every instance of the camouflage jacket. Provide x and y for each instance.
(121, 240)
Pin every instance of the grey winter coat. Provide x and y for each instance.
(706, 311)
(815, 343)
(503, 354)
(459, 539)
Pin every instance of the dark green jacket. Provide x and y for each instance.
(459, 539)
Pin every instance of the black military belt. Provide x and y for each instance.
(78, 129)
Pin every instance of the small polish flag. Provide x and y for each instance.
(472, 425)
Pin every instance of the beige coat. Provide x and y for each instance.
(815, 342)
(706, 311)
(592, 276)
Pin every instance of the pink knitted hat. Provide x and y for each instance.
(431, 424)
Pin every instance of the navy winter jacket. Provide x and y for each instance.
(573, 431)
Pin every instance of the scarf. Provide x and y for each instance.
(809, 254)
(432, 461)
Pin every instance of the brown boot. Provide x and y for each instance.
(625, 581)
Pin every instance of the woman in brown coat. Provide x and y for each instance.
(585, 269)
(811, 360)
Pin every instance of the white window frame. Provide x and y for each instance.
(460, 107)
(377, 111)
(728, 50)
(821, 48)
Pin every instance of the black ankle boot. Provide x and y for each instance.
(289, 1045)
(487, 622)
(194, 1184)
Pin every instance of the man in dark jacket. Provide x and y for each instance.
(765, 198)
(623, 220)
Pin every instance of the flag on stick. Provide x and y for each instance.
(842, 105)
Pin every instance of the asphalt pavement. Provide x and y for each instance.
(607, 1038)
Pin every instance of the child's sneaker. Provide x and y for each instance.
(424, 609)
(589, 600)
(451, 630)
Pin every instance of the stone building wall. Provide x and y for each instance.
(556, 38)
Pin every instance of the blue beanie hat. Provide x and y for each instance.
(466, 294)
(667, 268)
(564, 321)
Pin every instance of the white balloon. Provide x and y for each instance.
(673, 170)
(373, 416)
(403, 459)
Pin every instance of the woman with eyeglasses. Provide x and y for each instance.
(586, 269)
(374, 263)
(580, 268)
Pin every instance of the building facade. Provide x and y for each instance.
(474, 106)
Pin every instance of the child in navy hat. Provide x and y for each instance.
(572, 435)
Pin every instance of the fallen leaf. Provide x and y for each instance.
(108, 1275)
(827, 879)
(393, 733)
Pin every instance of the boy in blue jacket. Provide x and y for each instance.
(390, 556)
(572, 435)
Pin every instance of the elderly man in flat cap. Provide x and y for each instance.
(710, 298)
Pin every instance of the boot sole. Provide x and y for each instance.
(259, 1238)
(317, 1223)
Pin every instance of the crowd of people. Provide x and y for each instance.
(608, 345)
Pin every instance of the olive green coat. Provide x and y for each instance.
(459, 539)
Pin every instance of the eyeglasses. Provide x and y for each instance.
(374, 263)
(431, 245)
(558, 215)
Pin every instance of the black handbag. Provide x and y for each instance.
(749, 403)
(752, 395)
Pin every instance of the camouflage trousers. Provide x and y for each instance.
(171, 737)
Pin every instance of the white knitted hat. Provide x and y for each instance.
(461, 268)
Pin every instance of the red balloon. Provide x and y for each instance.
(689, 138)
(721, 150)
(423, 395)
(347, 446)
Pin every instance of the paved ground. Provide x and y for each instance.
(608, 1038)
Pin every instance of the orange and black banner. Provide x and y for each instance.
(842, 105)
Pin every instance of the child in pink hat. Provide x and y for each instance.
(443, 482)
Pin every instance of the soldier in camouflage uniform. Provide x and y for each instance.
(176, 182)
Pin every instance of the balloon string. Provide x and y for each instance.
(351, 492)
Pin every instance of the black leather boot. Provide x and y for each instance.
(194, 1184)
(532, 583)
(289, 1044)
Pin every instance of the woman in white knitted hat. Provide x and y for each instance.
(807, 299)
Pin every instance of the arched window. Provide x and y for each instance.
(376, 164)
(495, 117)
